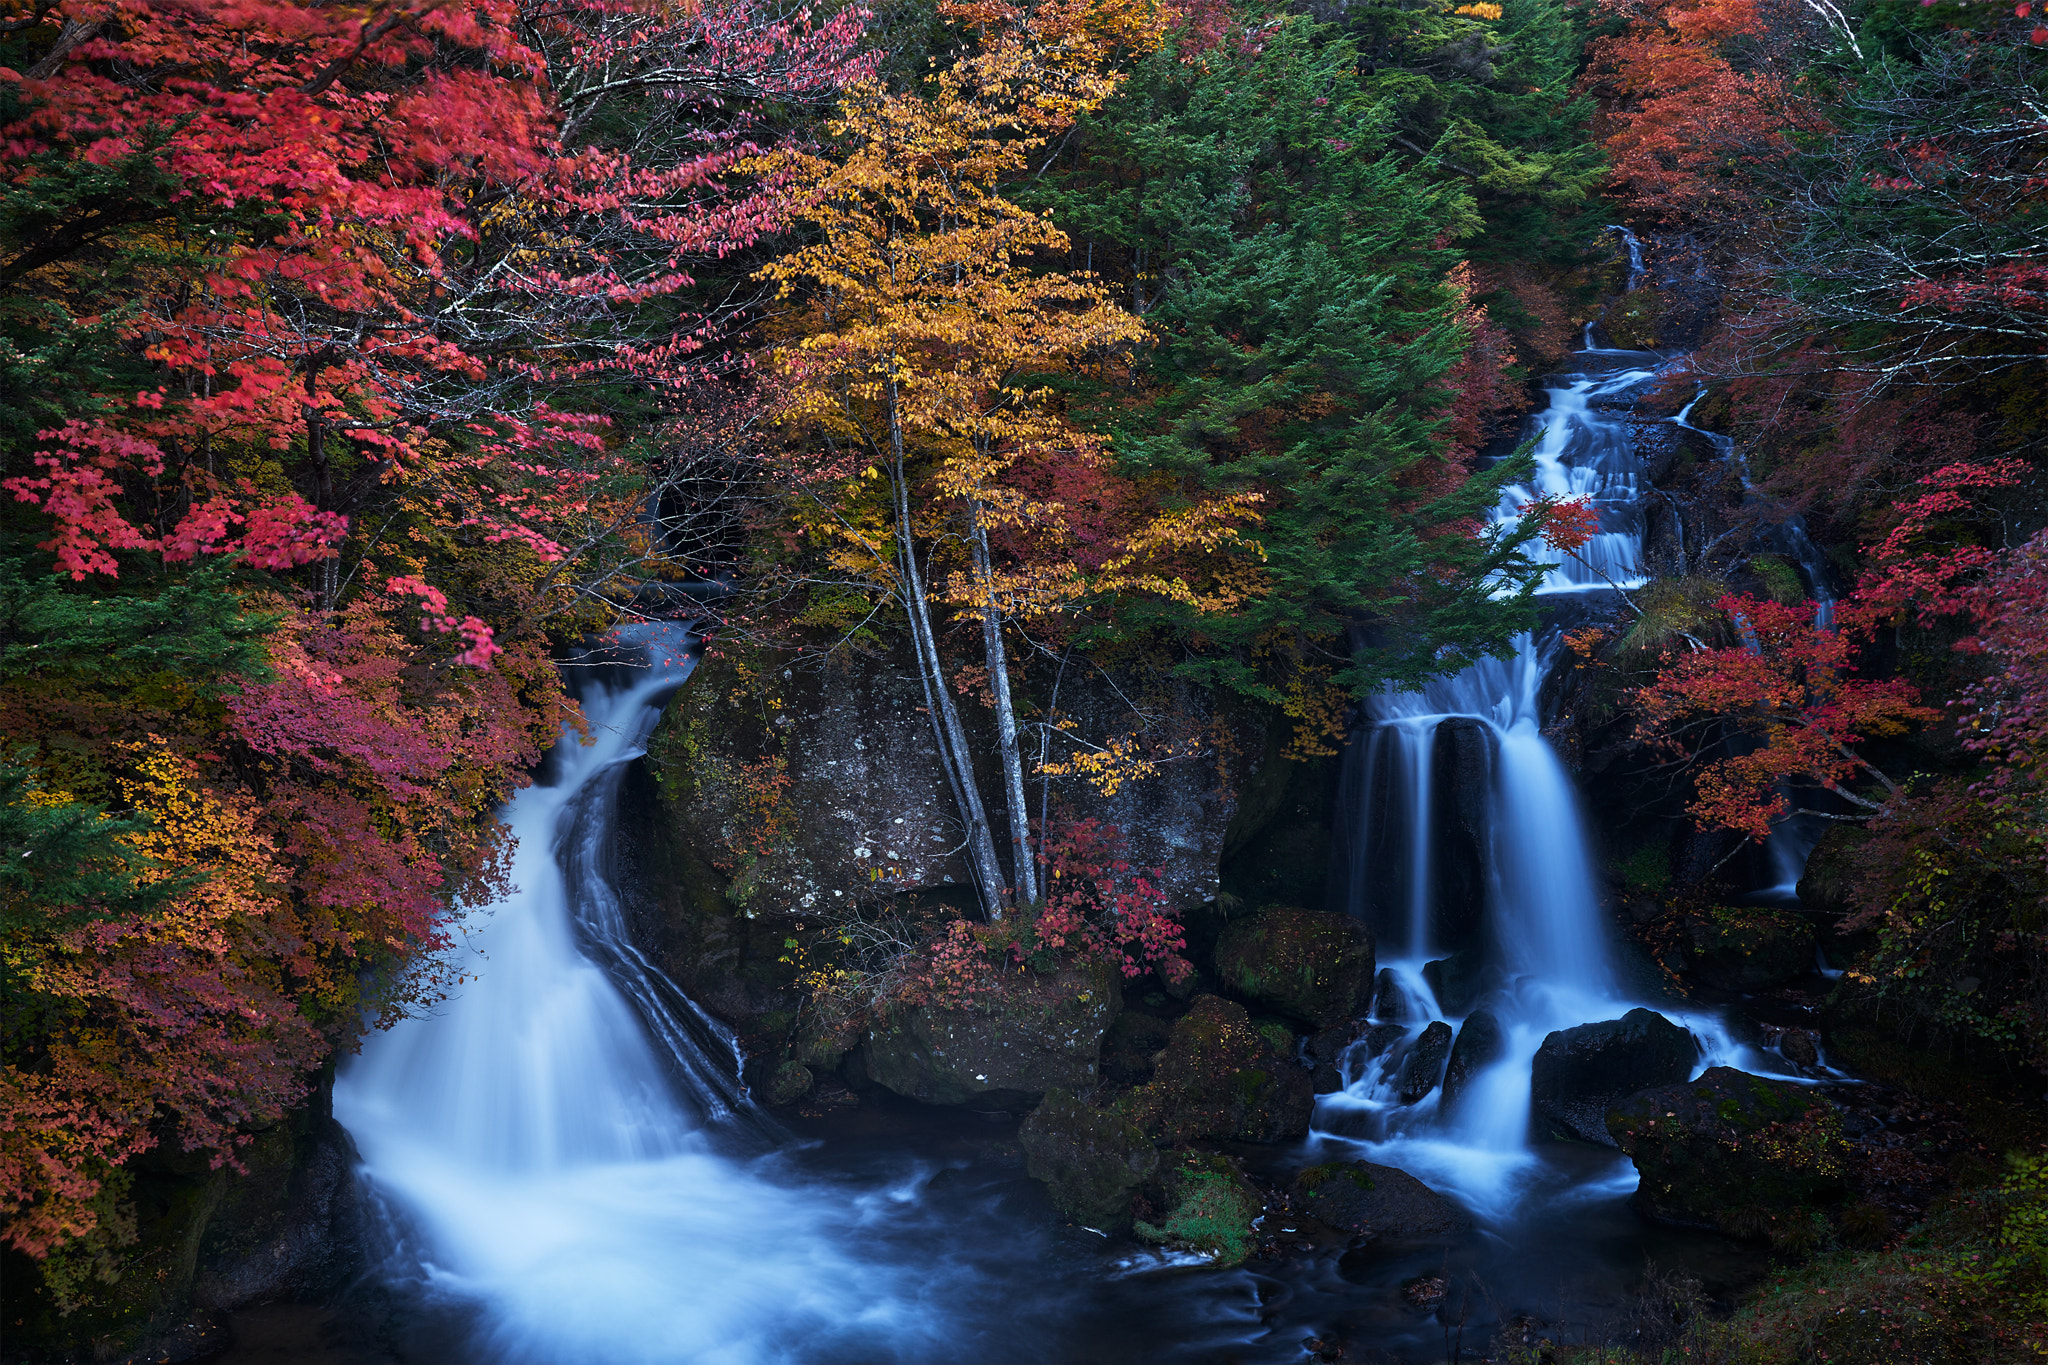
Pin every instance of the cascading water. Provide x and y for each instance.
(571, 1170)
(1541, 961)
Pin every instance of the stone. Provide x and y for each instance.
(1457, 981)
(1424, 1065)
(1800, 1048)
(1481, 1043)
(1580, 1073)
(1219, 1079)
(1091, 1160)
(1746, 949)
(1745, 1156)
(1310, 965)
(1209, 1209)
(1132, 1045)
(1377, 1201)
(790, 1083)
(1389, 1001)
(1036, 1032)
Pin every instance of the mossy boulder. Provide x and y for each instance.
(1748, 949)
(1376, 1201)
(1310, 965)
(1090, 1159)
(1580, 1073)
(1745, 1156)
(1131, 1047)
(1209, 1209)
(791, 1082)
(1033, 1033)
(1220, 1079)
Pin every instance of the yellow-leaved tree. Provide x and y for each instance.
(925, 311)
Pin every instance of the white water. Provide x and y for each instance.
(576, 1191)
(1552, 966)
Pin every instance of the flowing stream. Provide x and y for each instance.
(568, 1172)
(1477, 873)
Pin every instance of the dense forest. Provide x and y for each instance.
(366, 369)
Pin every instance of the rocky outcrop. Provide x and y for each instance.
(1481, 1043)
(1220, 1079)
(1033, 1033)
(1581, 1073)
(1091, 1160)
(1742, 1155)
(1376, 1201)
(1424, 1065)
(1457, 981)
(1210, 1208)
(1747, 949)
(1311, 965)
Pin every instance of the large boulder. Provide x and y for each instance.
(1742, 1155)
(1481, 1043)
(1748, 949)
(1209, 1209)
(1377, 1201)
(1424, 1065)
(1457, 981)
(1310, 965)
(1091, 1159)
(1580, 1073)
(1220, 1079)
(1033, 1033)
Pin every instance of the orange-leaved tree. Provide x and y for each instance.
(917, 390)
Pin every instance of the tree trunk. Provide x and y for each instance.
(955, 757)
(1022, 863)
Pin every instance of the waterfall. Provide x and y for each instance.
(1536, 954)
(564, 1155)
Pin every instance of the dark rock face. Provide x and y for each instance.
(1310, 965)
(1090, 1159)
(1481, 1041)
(1131, 1046)
(1457, 981)
(790, 1083)
(1742, 949)
(1377, 1201)
(1581, 1073)
(1220, 1079)
(1037, 1033)
(1389, 1002)
(1424, 1065)
(276, 1231)
(1742, 1155)
(1461, 786)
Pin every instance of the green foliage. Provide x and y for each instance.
(1212, 1212)
(193, 627)
(1261, 214)
(63, 862)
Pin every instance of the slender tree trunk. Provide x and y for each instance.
(1025, 868)
(954, 754)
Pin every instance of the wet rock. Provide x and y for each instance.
(1457, 981)
(1580, 1073)
(1090, 1159)
(1209, 1209)
(790, 1083)
(1461, 784)
(1748, 949)
(1310, 965)
(1038, 1032)
(1424, 1065)
(1742, 1155)
(1219, 1079)
(1378, 1201)
(1323, 1051)
(1481, 1043)
(1800, 1048)
(1831, 869)
(1389, 1001)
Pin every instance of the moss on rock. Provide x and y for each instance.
(1310, 965)
(1090, 1159)
(1210, 1208)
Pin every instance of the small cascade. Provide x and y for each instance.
(568, 1167)
(1468, 854)
(1631, 244)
